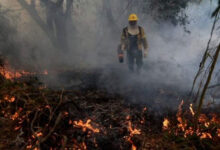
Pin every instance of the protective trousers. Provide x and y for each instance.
(135, 56)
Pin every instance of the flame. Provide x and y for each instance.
(191, 109)
(86, 126)
(17, 128)
(78, 146)
(16, 114)
(166, 124)
(215, 119)
(10, 73)
(202, 118)
(84, 146)
(133, 147)
(207, 124)
(180, 107)
(189, 131)
(133, 131)
(182, 124)
(9, 99)
(28, 146)
(37, 134)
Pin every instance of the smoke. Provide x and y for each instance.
(93, 37)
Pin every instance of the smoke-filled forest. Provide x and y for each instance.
(109, 75)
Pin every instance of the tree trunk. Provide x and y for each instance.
(33, 13)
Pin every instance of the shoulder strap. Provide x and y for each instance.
(140, 31)
(125, 31)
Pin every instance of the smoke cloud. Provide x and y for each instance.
(173, 59)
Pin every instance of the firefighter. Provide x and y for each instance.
(134, 41)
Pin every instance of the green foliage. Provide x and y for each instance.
(167, 10)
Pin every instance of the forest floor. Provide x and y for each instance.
(34, 116)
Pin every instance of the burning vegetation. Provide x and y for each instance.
(8, 73)
(36, 117)
(42, 118)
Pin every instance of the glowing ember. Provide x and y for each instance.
(9, 99)
(29, 146)
(202, 118)
(128, 117)
(207, 124)
(215, 119)
(17, 128)
(66, 113)
(85, 126)
(45, 72)
(166, 123)
(145, 109)
(206, 135)
(84, 146)
(37, 134)
(16, 115)
(189, 131)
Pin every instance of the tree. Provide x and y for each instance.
(57, 18)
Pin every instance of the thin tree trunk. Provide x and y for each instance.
(206, 85)
(33, 13)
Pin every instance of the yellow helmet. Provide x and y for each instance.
(133, 17)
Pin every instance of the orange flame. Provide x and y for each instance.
(37, 134)
(86, 126)
(182, 124)
(206, 135)
(133, 147)
(9, 99)
(191, 109)
(133, 131)
(16, 114)
(10, 73)
(189, 131)
(166, 123)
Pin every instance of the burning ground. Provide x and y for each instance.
(34, 116)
